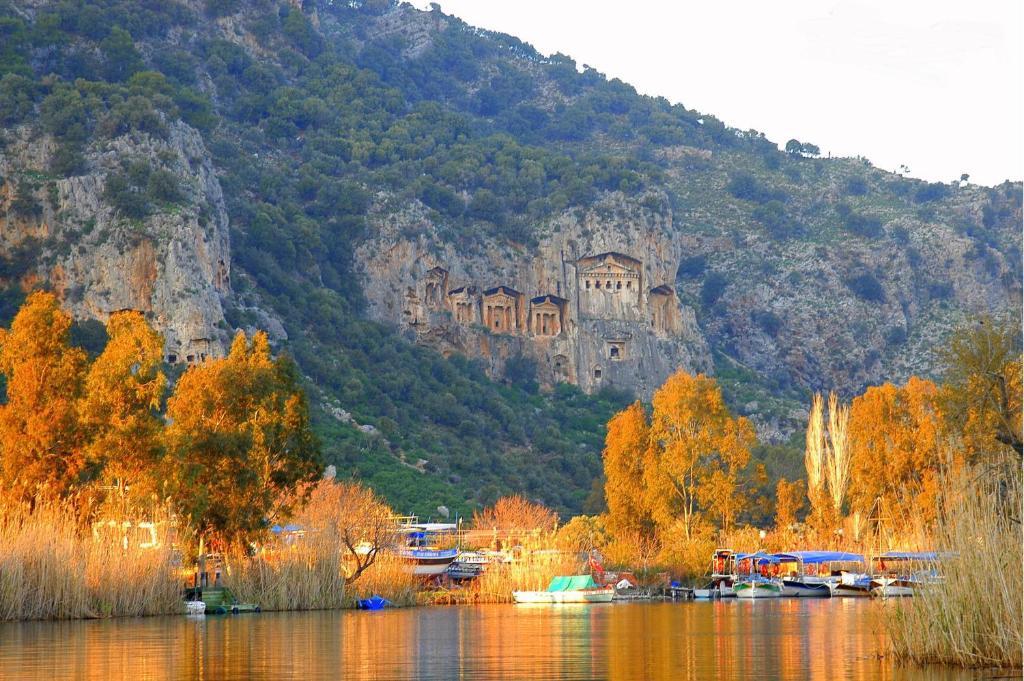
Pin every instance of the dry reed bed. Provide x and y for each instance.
(52, 569)
(974, 618)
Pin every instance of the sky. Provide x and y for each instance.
(934, 86)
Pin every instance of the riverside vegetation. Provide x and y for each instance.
(104, 495)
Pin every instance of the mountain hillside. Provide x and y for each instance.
(475, 253)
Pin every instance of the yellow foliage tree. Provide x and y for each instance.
(239, 442)
(120, 410)
(41, 443)
(625, 445)
(789, 500)
(696, 454)
(816, 461)
(895, 442)
(982, 393)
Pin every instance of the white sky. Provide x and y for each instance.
(936, 85)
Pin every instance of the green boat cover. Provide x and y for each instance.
(574, 583)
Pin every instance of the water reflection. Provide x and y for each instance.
(786, 639)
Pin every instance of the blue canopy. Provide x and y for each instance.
(277, 529)
(760, 558)
(817, 557)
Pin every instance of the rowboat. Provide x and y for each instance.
(573, 589)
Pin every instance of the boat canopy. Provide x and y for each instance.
(572, 583)
(817, 557)
(912, 555)
(429, 527)
(760, 557)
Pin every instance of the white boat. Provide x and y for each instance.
(752, 576)
(852, 585)
(758, 587)
(574, 589)
(723, 575)
(195, 608)
(427, 547)
(813, 573)
(899, 573)
(884, 587)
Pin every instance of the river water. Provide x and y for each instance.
(782, 639)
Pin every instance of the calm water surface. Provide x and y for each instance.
(778, 639)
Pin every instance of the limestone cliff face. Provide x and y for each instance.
(174, 265)
(593, 303)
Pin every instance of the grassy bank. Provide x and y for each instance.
(972, 619)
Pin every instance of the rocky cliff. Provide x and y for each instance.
(592, 303)
(173, 264)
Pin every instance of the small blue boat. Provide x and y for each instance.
(373, 603)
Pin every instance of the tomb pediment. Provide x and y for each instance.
(610, 268)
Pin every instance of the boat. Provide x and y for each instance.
(427, 547)
(814, 573)
(374, 602)
(195, 608)
(723, 576)
(571, 589)
(899, 574)
(468, 565)
(218, 600)
(757, 586)
(851, 585)
(753, 578)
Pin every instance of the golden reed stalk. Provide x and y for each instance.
(52, 568)
(974, 617)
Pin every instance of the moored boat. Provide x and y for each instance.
(758, 587)
(814, 573)
(468, 565)
(723, 576)
(852, 586)
(898, 574)
(429, 548)
(571, 589)
(755, 576)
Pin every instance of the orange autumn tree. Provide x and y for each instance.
(625, 446)
(347, 513)
(240, 450)
(41, 442)
(514, 514)
(696, 455)
(896, 446)
(789, 501)
(121, 407)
